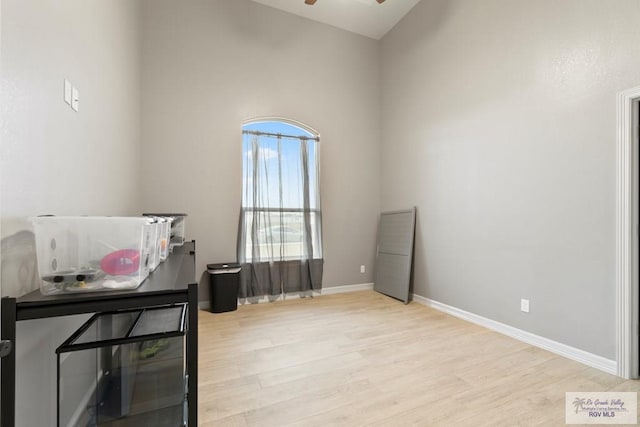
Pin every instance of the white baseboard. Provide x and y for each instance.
(346, 288)
(589, 359)
(204, 305)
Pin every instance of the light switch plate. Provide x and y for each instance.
(67, 91)
(75, 99)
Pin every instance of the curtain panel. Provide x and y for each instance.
(280, 224)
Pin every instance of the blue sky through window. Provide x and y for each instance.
(279, 168)
(277, 127)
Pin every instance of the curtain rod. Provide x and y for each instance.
(280, 135)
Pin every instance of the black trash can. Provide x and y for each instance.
(224, 282)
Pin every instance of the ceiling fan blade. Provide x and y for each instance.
(312, 2)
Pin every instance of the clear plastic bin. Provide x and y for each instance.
(125, 368)
(154, 255)
(85, 254)
(178, 227)
(165, 236)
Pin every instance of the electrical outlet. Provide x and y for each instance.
(362, 269)
(524, 305)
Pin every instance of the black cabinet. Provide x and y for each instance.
(172, 283)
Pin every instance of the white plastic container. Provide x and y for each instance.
(86, 254)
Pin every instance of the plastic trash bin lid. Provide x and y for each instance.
(223, 266)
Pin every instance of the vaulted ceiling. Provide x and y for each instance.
(365, 17)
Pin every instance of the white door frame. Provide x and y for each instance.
(626, 292)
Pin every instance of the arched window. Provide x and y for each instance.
(281, 218)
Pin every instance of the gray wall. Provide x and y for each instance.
(53, 160)
(209, 65)
(499, 123)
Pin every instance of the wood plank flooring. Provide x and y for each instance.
(365, 359)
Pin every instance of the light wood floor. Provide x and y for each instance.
(364, 359)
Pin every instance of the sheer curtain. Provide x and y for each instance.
(280, 227)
